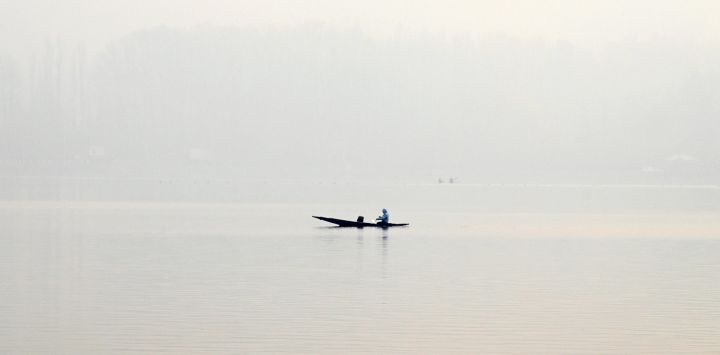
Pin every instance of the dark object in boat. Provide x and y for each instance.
(359, 223)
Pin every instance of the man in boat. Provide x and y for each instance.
(385, 218)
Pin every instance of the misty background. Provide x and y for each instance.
(236, 92)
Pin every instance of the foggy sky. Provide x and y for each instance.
(562, 91)
(591, 23)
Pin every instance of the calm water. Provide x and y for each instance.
(151, 277)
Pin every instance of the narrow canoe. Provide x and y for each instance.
(346, 223)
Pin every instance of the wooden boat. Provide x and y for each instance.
(359, 223)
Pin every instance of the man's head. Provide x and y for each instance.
(384, 210)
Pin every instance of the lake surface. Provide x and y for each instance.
(105, 277)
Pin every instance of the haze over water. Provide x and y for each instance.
(265, 277)
(557, 161)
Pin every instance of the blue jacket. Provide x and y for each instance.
(385, 218)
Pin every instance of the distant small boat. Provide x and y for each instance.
(360, 223)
